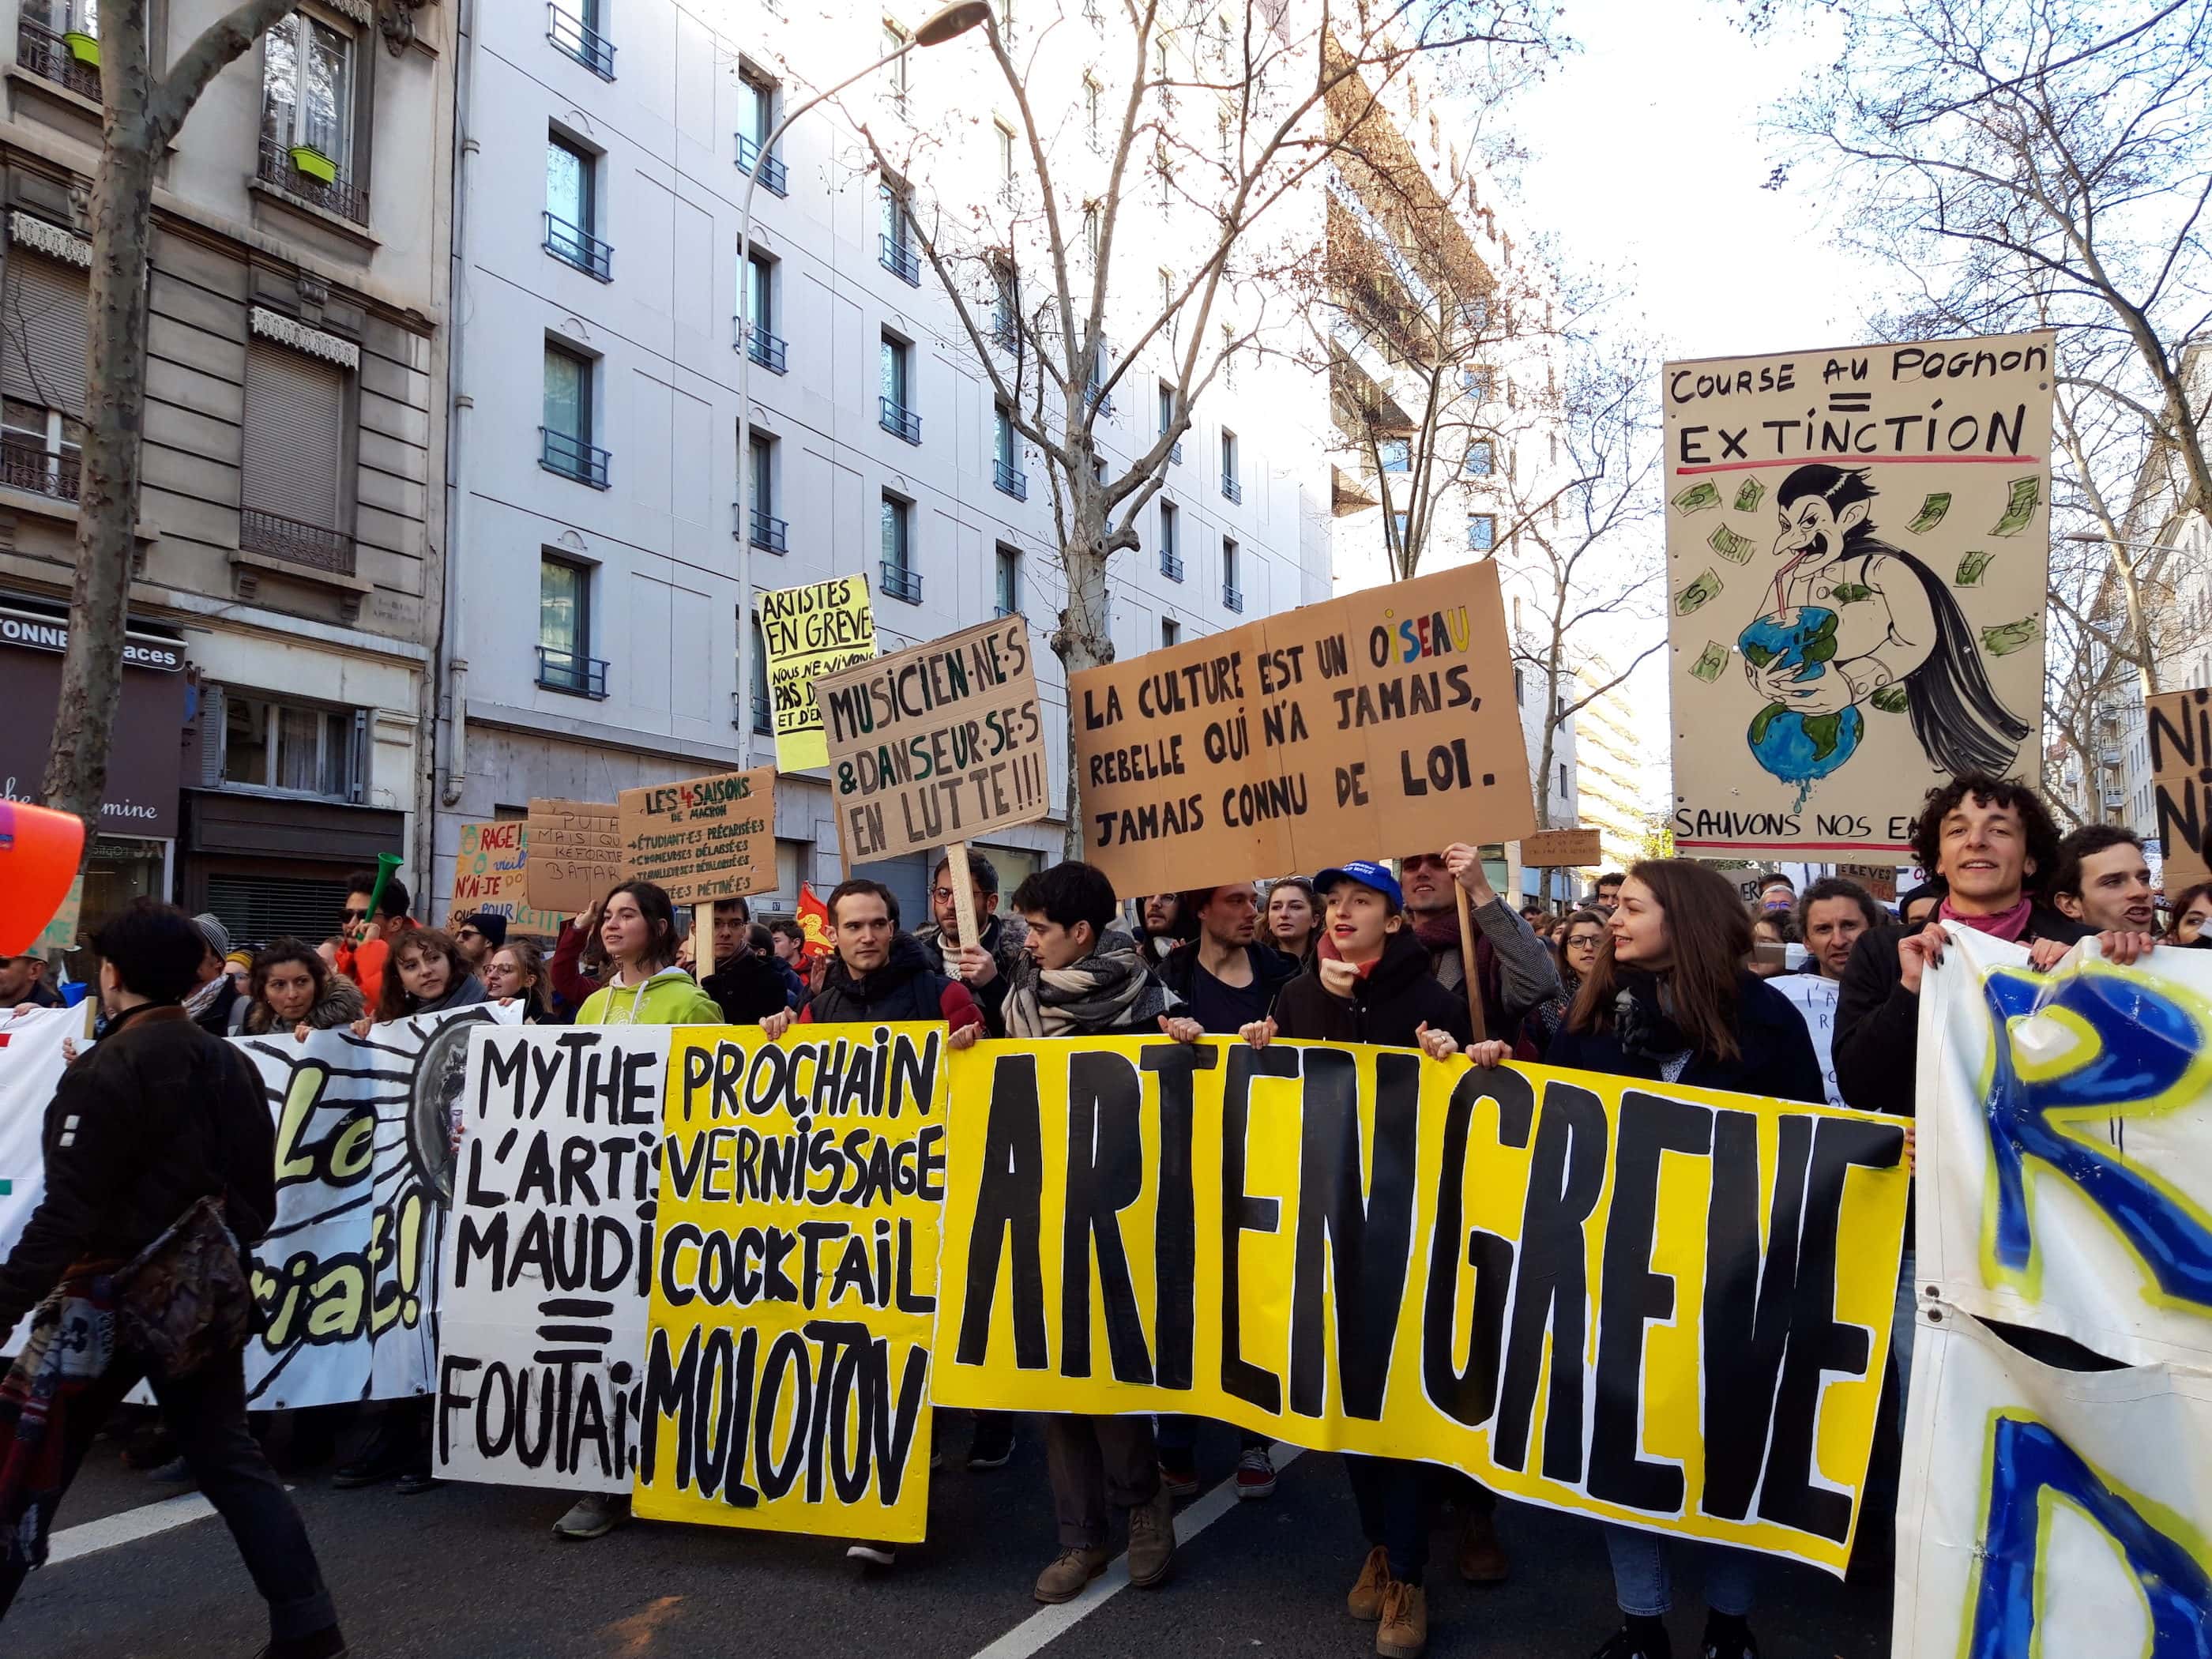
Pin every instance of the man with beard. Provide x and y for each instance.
(2103, 880)
(1162, 923)
(997, 956)
(1896, 625)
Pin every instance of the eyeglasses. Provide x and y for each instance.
(1423, 861)
(468, 932)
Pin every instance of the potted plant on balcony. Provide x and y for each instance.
(85, 48)
(308, 159)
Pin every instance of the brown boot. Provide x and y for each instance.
(1366, 1601)
(1063, 1580)
(1404, 1632)
(1482, 1556)
(1152, 1540)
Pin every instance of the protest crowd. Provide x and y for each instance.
(1662, 973)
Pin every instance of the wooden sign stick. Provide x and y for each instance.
(964, 891)
(1469, 964)
(703, 941)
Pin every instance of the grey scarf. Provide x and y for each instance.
(1110, 991)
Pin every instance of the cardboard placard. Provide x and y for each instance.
(702, 839)
(1561, 849)
(936, 743)
(809, 632)
(491, 870)
(1378, 724)
(2180, 727)
(1879, 879)
(1858, 547)
(576, 847)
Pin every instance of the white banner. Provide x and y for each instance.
(547, 1256)
(1814, 996)
(30, 1060)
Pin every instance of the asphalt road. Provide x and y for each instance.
(474, 1570)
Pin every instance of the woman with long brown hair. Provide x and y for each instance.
(1574, 947)
(293, 989)
(424, 973)
(517, 968)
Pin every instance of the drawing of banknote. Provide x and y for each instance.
(2005, 638)
(1698, 496)
(1750, 495)
(1705, 589)
(1971, 568)
(1710, 662)
(1931, 512)
(1737, 549)
(2020, 507)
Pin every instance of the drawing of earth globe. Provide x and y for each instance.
(1794, 747)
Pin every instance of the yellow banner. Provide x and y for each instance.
(1661, 1306)
(807, 632)
(786, 1357)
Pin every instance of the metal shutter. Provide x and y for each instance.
(295, 431)
(258, 909)
(44, 332)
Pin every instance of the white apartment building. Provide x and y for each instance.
(1616, 769)
(599, 627)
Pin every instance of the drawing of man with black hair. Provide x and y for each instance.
(1855, 620)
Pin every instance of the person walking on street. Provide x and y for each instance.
(424, 974)
(1832, 917)
(157, 1116)
(999, 939)
(293, 990)
(1605, 892)
(368, 939)
(2191, 909)
(2102, 880)
(1574, 947)
(1162, 925)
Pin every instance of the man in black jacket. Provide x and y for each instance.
(745, 988)
(999, 960)
(156, 1116)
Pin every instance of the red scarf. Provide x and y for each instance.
(2006, 924)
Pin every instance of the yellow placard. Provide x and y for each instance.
(787, 1347)
(808, 632)
(1661, 1306)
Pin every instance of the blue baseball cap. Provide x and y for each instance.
(1367, 873)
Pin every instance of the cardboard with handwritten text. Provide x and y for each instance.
(703, 838)
(575, 854)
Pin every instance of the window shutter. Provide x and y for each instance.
(214, 728)
(294, 430)
(44, 332)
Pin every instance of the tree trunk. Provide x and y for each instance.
(1083, 640)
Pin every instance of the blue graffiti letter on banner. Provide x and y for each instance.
(2136, 1052)
(2027, 1462)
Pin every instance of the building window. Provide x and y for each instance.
(42, 50)
(1520, 692)
(899, 577)
(1395, 454)
(1006, 308)
(1480, 383)
(1482, 532)
(1170, 556)
(764, 707)
(766, 531)
(894, 411)
(1009, 192)
(1090, 219)
(292, 454)
(756, 326)
(1094, 126)
(572, 208)
(307, 88)
(566, 434)
(894, 239)
(573, 26)
(564, 628)
(1563, 780)
(296, 747)
(1231, 487)
(1480, 462)
(44, 337)
(1005, 456)
(1167, 400)
(756, 121)
(1170, 632)
(897, 71)
(1009, 572)
(1232, 589)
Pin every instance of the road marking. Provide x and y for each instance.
(1048, 1623)
(126, 1528)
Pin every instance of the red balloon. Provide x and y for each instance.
(39, 852)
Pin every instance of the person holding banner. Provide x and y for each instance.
(1574, 945)
(2103, 880)
(997, 956)
(292, 990)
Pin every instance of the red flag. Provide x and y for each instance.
(814, 922)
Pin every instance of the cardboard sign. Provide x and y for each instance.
(491, 875)
(1857, 555)
(2180, 726)
(936, 743)
(1378, 724)
(576, 853)
(1562, 848)
(702, 839)
(809, 632)
(1879, 879)
(60, 932)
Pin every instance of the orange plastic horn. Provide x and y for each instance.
(39, 852)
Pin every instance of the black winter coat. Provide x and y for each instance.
(1271, 970)
(159, 1113)
(1777, 1057)
(1397, 998)
(747, 988)
(906, 987)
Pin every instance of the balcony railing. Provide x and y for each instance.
(898, 420)
(1010, 480)
(763, 715)
(1171, 566)
(1004, 335)
(565, 671)
(1232, 599)
(1099, 400)
(31, 466)
(1231, 490)
(572, 458)
(572, 37)
(44, 53)
(772, 177)
(572, 244)
(336, 195)
(309, 545)
(900, 259)
(1175, 453)
(902, 582)
(764, 348)
(770, 534)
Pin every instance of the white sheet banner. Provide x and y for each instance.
(30, 1060)
(1814, 997)
(547, 1256)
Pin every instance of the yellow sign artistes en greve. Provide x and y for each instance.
(1661, 1306)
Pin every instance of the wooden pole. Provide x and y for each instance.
(964, 891)
(1469, 966)
(702, 941)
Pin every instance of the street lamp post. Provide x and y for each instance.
(946, 23)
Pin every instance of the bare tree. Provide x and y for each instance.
(1214, 123)
(140, 116)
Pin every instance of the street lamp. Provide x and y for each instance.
(946, 23)
(2092, 538)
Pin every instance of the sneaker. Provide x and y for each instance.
(324, 1643)
(416, 1481)
(1178, 1483)
(386, 1457)
(175, 1473)
(1403, 1632)
(1152, 1540)
(1625, 1644)
(1070, 1570)
(1482, 1556)
(992, 1447)
(1256, 1473)
(869, 1553)
(1741, 1644)
(594, 1514)
(1366, 1601)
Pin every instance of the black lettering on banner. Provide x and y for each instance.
(1551, 1291)
(1242, 1213)
(1747, 1301)
(1819, 1347)
(1631, 1295)
(1362, 1238)
(1105, 1173)
(1009, 1201)
(668, 1386)
(1466, 1396)
(1174, 1231)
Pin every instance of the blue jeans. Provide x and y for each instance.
(1393, 1498)
(1644, 1587)
(1903, 1325)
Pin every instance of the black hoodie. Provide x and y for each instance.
(1389, 1006)
(906, 987)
